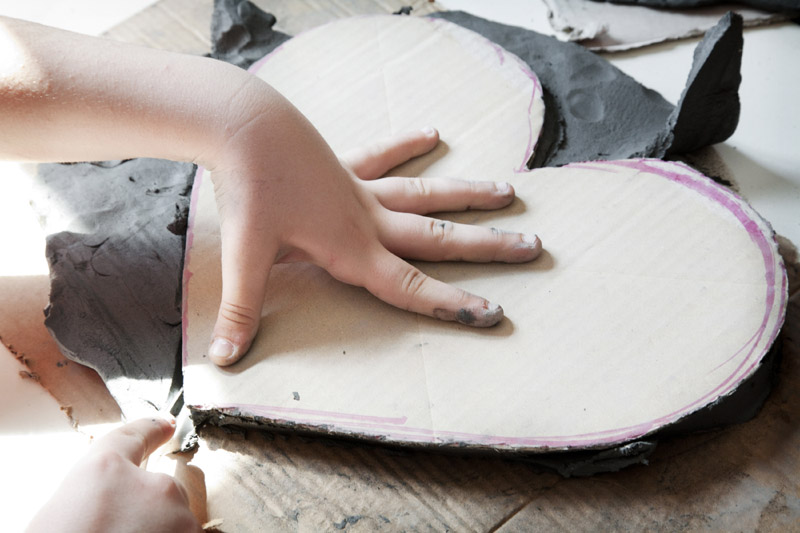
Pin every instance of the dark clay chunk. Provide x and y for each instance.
(767, 5)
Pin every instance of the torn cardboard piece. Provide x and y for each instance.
(588, 355)
(605, 26)
(240, 32)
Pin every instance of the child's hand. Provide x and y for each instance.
(107, 491)
(282, 193)
(284, 196)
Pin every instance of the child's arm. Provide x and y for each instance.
(281, 192)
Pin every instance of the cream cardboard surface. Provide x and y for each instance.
(588, 354)
(405, 73)
(631, 320)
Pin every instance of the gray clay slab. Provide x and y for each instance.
(116, 256)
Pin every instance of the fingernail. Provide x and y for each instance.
(164, 417)
(504, 189)
(222, 351)
(168, 418)
(429, 131)
(531, 244)
(492, 314)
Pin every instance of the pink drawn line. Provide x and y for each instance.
(187, 274)
(531, 141)
(733, 204)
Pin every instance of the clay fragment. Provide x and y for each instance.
(241, 33)
(708, 110)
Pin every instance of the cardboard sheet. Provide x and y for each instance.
(631, 320)
(612, 27)
(589, 354)
(385, 72)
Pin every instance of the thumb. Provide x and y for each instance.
(136, 440)
(246, 263)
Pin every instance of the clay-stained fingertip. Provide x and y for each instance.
(490, 315)
(484, 317)
(528, 249)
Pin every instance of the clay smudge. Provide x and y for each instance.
(465, 316)
(33, 376)
(348, 520)
(489, 315)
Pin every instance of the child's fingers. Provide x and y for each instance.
(431, 195)
(371, 162)
(429, 239)
(136, 440)
(246, 263)
(400, 284)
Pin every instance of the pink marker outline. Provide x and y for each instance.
(187, 274)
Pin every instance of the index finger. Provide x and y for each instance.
(137, 440)
(398, 283)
